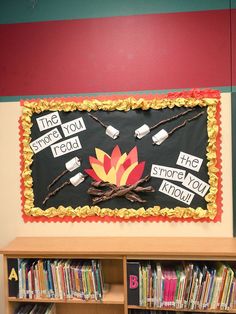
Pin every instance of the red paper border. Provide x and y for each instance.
(184, 94)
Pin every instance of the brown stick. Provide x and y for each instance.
(144, 189)
(133, 197)
(99, 192)
(185, 122)
(100, 183)
(170, 119)
(121, 191)
(98, 120)
(55, 191)
(94, 191)
(57, 178)
(116, 188)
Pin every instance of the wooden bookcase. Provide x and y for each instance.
(114, 252)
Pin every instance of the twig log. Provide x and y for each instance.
(127, 191)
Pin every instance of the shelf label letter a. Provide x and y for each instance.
(13, 275)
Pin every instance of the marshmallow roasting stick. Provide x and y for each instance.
(110, 130)
(145, 129)
(75, 180)
(70, 165)
(162, 135)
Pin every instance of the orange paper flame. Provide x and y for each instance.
(116, 169)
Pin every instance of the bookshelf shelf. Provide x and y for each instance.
(115, 295)
(115, 254)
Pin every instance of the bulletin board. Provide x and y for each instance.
(155, 158)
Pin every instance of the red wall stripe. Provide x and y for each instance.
(146, 52)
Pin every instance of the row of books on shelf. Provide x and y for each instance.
(35, 309)
(192, 286)
(58, 279)
(136, 311)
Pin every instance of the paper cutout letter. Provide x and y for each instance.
(189, 161)
(73, 127)
(66, 146)
(48, 121)
(169, 173)
(196, 185)
(176, 192)
(45, 140)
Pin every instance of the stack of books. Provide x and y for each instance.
(187, 286)
(60, 279)
(35, 309)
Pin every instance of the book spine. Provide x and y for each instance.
(58, 274)
(55, 282)
(41, 279)
(140, 286)
(229, 301)
(72, 281)
(99, 285)
(66, 278)
(20, 281)
(224, 273)
(227, 298)
(63, 279)
(50, 280)
(23, 280)
(36, 281)
(81, 283)
(91, 284)
(101, 277)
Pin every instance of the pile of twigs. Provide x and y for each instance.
(104, 191)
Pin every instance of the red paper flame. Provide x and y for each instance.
(116, 169)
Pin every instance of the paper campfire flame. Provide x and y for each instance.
(116, 169)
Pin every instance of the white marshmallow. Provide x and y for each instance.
(160, 137)
(112, 132)
(73, 164)
(77, 179)
(142, 131)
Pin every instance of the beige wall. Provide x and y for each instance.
(12, 225)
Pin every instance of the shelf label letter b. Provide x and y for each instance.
(133, 282)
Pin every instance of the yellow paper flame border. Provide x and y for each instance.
(130, 103)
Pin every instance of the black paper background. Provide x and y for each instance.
(191, 139)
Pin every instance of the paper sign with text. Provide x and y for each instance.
(48, 121)
(66, 146)
(169, 173)
(189, 161)
(176, 192)
(195, 184)
(45, 140)
(73, 127)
